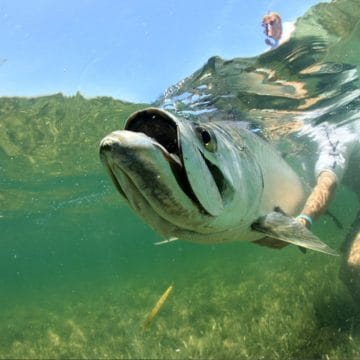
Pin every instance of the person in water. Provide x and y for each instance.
(273, 29)
(338, 161)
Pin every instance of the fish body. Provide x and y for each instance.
(205, 181)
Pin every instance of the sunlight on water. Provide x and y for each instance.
(79, 270)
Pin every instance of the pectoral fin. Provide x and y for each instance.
(282, 227)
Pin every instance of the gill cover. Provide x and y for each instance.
(198, 173)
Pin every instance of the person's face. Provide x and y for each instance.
(272, 26)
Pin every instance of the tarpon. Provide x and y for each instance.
(207, 182)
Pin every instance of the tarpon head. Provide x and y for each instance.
(191, 180)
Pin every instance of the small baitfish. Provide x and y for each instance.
(207, 182)
(154, 311)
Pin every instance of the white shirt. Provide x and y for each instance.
(336, 145)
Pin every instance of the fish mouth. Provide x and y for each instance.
(161, 130)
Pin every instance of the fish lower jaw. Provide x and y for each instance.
(149, 203)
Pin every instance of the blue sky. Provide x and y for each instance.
(129, 49)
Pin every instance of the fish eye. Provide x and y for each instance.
(207, 138)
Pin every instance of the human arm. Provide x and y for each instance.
(319, 198)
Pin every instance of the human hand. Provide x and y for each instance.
(304, 220)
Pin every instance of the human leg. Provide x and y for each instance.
(350, 266)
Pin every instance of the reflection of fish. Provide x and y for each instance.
(205, 181)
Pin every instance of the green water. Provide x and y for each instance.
(79, 283)
(80, 272)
